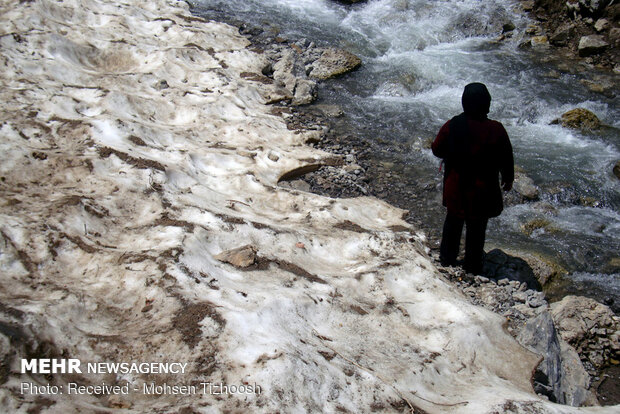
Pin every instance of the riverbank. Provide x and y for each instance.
(360, 173)
(142, 221)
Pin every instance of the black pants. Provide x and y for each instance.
(474, 242)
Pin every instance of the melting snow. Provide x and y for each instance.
(118, 193)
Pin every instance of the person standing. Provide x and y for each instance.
(476, 151)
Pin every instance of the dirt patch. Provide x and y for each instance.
(187, 321)
(164, 220)
(137, 140)
(257, 78)
(25, 260)
(141, 163)
(293, 268)
(350, 226)
(608, 389)
(79, 243)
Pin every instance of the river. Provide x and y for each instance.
(417, 56)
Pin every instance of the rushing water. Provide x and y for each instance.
(417, 57)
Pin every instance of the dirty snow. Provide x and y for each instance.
(133, 152)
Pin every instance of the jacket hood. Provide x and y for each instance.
(476, 100)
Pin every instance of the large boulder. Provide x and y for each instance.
(334, 62)
(240, 257)
(579, 118)
(499, 265)
(289, 71)
(591, 45)
(560, 375)
(525, 186)
(590, 327)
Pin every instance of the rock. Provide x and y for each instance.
(539, 223)
(590, 327)
(579, 118)
(591, 45)
(305, 92)
(603, 87)
(533, 30)
(560, 375)
(287, 69)
(540, 41)
(539, 336)
(527, 5)
(536, 300)
(334, 62)
(544, 271)
(508, 27)
(505, 268)
(562, 34)
(601, 25)
(240, 257)
(520, 297)
(524, 185)
(616, 169)
(575, 381)
(575, 316)
(331, 111)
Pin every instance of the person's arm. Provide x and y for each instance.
(440, 144)
(507, 165)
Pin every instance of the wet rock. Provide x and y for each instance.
(524, 185)
(562, 34)
(240, 257)
(544, 270)
(603, 87)
(579, 118)
(539, 223)
(540, 41)
(508, 27)
(505, 268)
(616, 169)
(590, 327)
(334, 62)
(591, 45)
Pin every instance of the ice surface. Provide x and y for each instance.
(117, 193)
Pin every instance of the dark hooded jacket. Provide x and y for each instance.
(476, 150)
